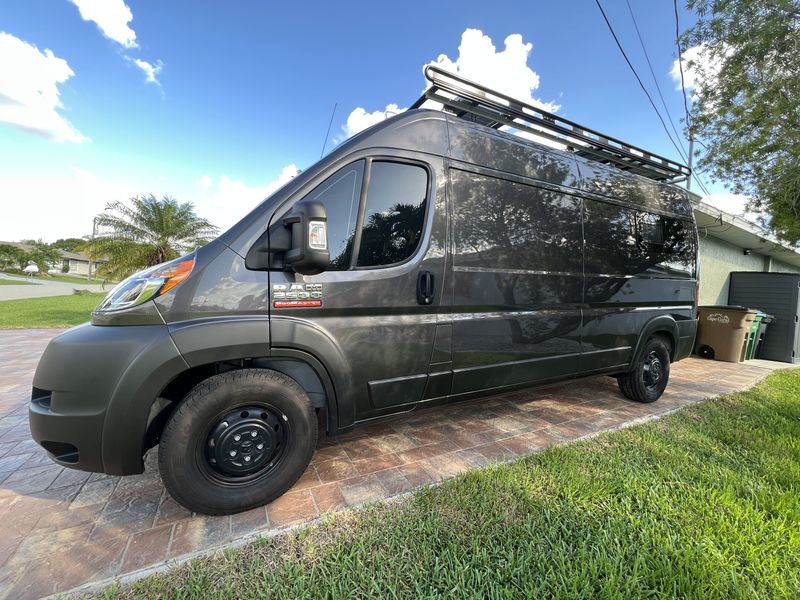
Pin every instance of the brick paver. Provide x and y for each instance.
(61, 528)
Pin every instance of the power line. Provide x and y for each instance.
(655, 79)
(635, 74)
(680, 65)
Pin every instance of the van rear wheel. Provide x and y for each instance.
(237, 441)
(650, 374)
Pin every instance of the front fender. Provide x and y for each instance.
(206, 341)
(293, 334)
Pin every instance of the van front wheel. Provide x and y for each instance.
(237, 441)
(650, 375)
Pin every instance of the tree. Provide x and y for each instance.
(69, 244)
(746, 105)
(42, 255)
(146, 233)
(10, 256)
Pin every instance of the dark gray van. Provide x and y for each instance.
(429, 259)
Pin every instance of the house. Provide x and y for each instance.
(73, 263)
(732, 243)
(78, 263)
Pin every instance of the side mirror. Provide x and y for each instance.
(299, 241)
(308, 253)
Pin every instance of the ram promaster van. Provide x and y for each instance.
(429, 259)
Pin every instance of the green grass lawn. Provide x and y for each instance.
(704, 503)
(15, 282)
(55, 311)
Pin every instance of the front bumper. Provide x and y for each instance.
(92, 394)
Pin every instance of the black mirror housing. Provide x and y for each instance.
(290, 243)
(309, 254)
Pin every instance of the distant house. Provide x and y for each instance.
(77, 263)
(74, 263)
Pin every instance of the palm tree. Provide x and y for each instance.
(147, 233)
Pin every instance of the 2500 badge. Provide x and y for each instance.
(296, 295)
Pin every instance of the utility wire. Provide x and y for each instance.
(655, 79)
(635, 74)
(680, 65)
(683, 89)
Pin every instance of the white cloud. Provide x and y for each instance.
(29, 93)
(699, 67)
(227, 201)
(360, 119)
(111, 17)
(56, 206)
(506, 71)
(150, 70)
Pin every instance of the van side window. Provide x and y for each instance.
(623, 241)
(394, 213)
(340, 194)
(651, 229)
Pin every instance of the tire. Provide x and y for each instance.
(650, 374)
(254, 415)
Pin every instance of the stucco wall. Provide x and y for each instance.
(777, 266)
(717, 259)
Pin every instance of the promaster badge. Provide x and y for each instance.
(296, 295)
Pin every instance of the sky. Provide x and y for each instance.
(220, 103)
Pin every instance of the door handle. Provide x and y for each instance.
(425, 287)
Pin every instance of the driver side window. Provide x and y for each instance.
(340, 193)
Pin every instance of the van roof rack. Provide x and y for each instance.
(476, 103)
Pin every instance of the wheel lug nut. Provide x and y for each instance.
(237, 437)
(253, 434)
(246, 459)
(260, 446)
(232, 453)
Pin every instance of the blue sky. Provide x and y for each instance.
(240, 93)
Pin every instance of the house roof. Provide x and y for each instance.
(736, 230)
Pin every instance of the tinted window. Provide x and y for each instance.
(340, 194)
(501, 224)
(624, 241)
(394, 214)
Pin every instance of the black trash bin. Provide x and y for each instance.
(762, 332)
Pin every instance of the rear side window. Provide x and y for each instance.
(340, 194)
(394, 213)
(624, 241)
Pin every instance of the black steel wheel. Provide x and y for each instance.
(238, 440)
(650, 374)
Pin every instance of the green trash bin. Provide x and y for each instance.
(752, 336)
(762, 332)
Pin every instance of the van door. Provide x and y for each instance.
(380, 296)
(517, 280)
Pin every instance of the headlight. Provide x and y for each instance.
(146, 285)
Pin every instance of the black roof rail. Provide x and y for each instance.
(477, 103)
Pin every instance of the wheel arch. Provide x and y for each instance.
(663, 325)
(301, 367)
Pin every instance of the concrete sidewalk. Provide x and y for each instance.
(43, 288)
(61, 528)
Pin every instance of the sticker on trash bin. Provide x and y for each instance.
(718, 318)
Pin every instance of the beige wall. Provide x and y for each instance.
(717, 260)
(777, 266)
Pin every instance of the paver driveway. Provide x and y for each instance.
(61, 528)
